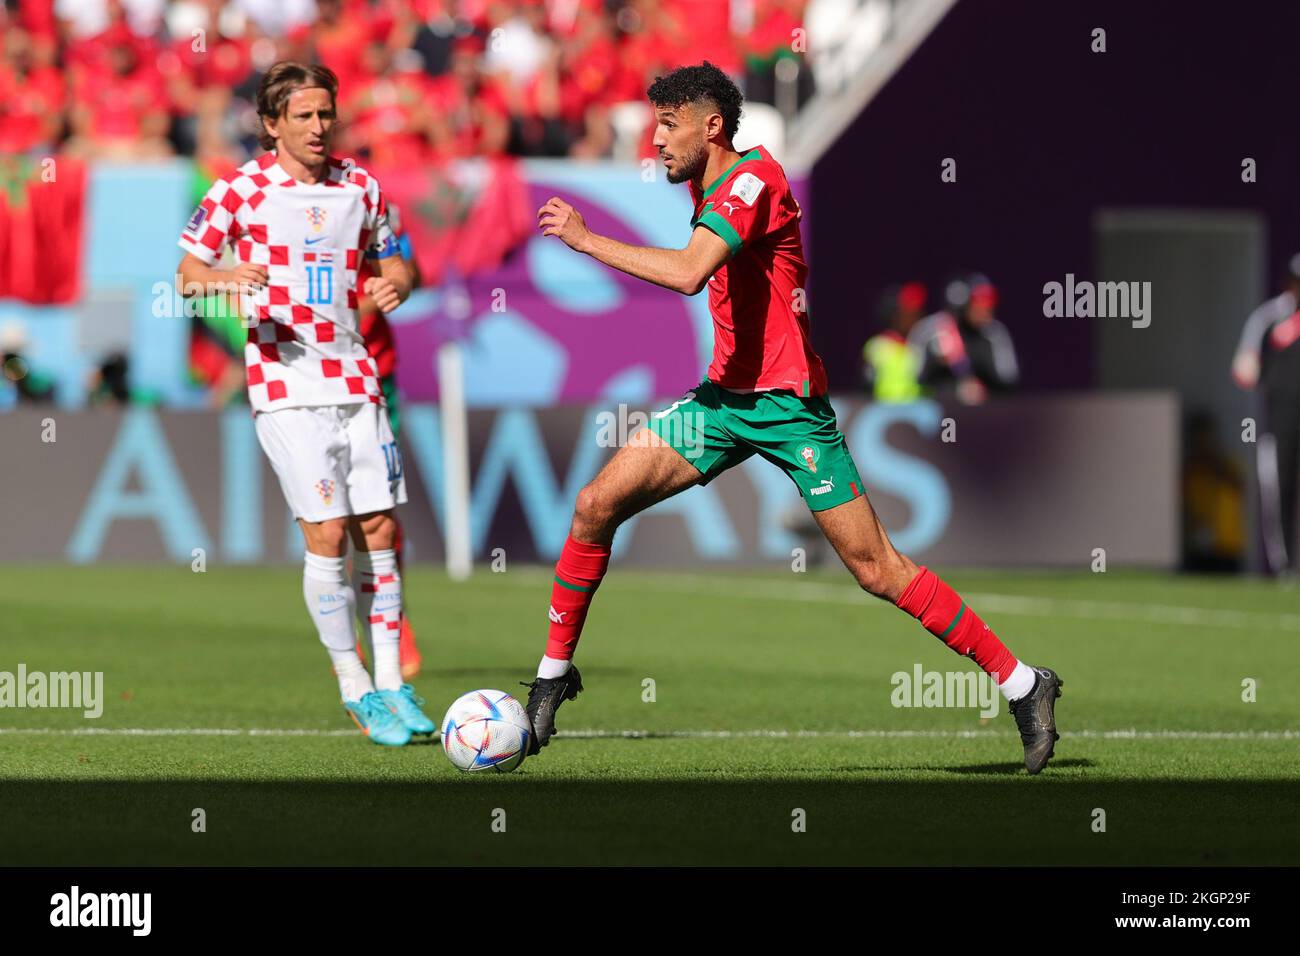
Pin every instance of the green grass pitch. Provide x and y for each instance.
(772, 694)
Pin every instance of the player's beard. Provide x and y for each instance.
(689, 165)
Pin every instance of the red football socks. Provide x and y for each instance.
(946, 616)
(577, 575)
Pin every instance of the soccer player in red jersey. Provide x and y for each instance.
(764, 394)
(382, 349)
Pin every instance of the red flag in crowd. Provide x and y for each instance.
(41, 215)
(468, 216)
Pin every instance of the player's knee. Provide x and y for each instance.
(379, 530)
(884, 577)
(326, 537)
(871, 576)
(593, 508)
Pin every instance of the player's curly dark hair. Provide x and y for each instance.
(700, 84)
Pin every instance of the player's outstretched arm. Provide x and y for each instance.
(682, 270)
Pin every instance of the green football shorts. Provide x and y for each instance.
(388, 385)
(715, 429)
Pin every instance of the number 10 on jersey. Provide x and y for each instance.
(320, 284)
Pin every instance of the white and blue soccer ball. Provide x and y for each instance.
(486, 730)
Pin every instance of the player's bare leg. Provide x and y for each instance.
(642, 473)
(378, 586)
(858, 537)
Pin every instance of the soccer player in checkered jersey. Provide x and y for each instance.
(300, 222)
(764, 394)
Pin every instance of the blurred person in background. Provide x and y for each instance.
(705, 32)
(338, 37)
(19, 383)
(770, 40)
(964, 350)
(388, 118)
(1213, 501)
(276, 18)
(431, 28)
(205, 63)
(890, 364)
(119, 104)
(593, 78)
(1267, 361)
(470, 115)
(109, 383)
(524, 60)
(32, 93)
(382, 348)
(84, 19)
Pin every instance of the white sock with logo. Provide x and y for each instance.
(1020, 683)
(549, 668)
(330, 603)
(379, 603)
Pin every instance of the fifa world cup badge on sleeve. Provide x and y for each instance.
(196, 220)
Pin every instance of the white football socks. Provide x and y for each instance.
(550, 668)
(1020, 683)
(330, 603)
(379, 604)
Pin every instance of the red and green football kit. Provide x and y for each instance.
(765, 392)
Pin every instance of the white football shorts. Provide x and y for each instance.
(333, 460)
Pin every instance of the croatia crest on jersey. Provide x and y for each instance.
(316, 217)
(325, 488)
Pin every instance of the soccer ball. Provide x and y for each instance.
(486, 730)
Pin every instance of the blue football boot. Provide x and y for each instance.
(378, 720)
(406, 704)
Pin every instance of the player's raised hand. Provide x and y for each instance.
(558, 218)
(383, 292)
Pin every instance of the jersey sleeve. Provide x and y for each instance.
(213, 224)
(381, 241)
(747, 208)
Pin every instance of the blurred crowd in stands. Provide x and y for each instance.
(421, 80)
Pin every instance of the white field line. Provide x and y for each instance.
(818, 592)
(596, 734)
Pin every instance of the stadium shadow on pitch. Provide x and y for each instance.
(516, 819)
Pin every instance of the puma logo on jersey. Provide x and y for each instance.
(729, 207)
(828, 484)
(688, 397)
(557, 617)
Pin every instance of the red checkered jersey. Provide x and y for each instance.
(757, 298)
(305, 347)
